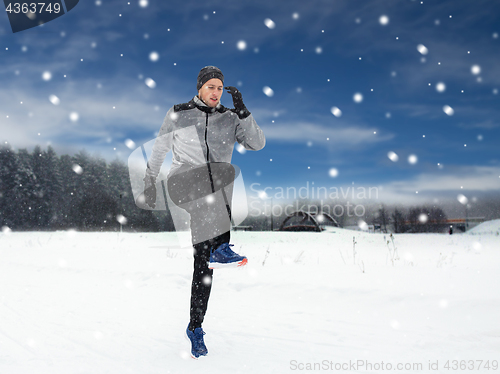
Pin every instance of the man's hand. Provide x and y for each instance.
(150, 191)
(239, 107)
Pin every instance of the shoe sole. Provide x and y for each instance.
(217, 265)
(190, 352)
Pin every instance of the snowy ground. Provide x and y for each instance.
(74, 302)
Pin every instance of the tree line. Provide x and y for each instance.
(415, 219)
(42, 191)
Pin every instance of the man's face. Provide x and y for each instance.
(211, 92)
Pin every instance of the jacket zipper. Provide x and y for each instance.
(208, 156)
(206, 141)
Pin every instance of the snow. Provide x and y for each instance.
(78, 302)
(422, 49)
(383, 20)
(336, 111)
(412, 159)
(241, 45)
(393, 156)
(448, 110)
(358, 97)
(440, 87)
(475, 69)
(268, 91)
(150, 83)
(488, 227)
(462, 199)
(46, 75)
(74, 116)
(269, 23)
(154, 56)
(54, 100)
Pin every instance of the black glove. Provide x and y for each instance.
(239, 108)
(150, 191)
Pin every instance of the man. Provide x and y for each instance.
(201, 134)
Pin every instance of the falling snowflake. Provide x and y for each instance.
(422, 49)
(73, 116)
(462, 199)
(440, 87)
(383, 20)
(154, 56)
(54, 99)
(475, 69)
(358, 97)
(143, 3)
(150, 83)
(423, 218)
(47, 76)
(121, 219)
(207, 280)
(393, 156)
(130, 143)
(77, 169)
(62, 263)
(268, 91)
(362, 225)
(241, 45)
(448, 110)
(269, 23)
(333, 172)
(336, 111)
(395, 324)
(241, 149)
(412, 159)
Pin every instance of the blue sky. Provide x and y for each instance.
(318, 55)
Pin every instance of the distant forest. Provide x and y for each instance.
(41, 191)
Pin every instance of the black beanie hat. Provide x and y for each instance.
(207, 73)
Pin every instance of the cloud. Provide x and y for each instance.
(461, 179)
(120, 109)
(341, 137)
(488, 124)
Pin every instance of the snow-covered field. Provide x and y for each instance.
(74, 302)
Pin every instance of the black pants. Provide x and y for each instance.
(202, 278)
(210, 223)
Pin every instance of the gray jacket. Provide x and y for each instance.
(198, 134)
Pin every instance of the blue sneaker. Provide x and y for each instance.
(198, 347)
(224, 257)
